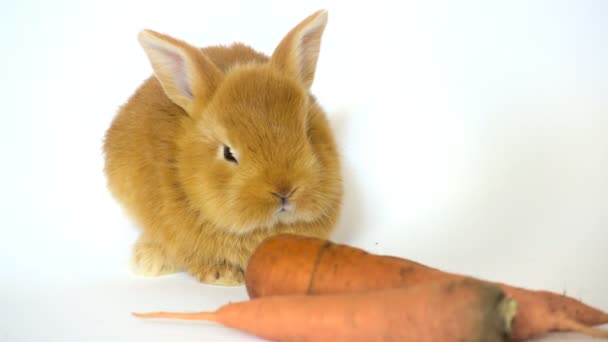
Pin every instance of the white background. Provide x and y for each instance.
(474, 139)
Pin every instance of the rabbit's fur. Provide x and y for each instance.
(220, 149)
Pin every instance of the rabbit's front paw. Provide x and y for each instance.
(150, 260)
(219, 274)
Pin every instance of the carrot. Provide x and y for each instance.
(289, 264)
(455, 310)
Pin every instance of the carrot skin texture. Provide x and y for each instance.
(341, 268)
(464, 310)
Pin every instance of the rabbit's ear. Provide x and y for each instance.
(298, 52)
(187, 76)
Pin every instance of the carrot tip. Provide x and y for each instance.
(583, 329)
(147, 314)
(191, 316)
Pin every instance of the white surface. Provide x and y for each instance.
(473, 134)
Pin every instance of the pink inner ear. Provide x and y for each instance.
(307, 54)
(180, 73)
(176, 65)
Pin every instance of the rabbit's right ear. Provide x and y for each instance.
(298, 52)
(187, 76)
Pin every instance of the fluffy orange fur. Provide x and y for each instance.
(200, 211)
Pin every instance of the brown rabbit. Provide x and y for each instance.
(220, 149)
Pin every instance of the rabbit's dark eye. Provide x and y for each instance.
(229, 156)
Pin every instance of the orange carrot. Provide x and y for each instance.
(455, 310)
(289, 264)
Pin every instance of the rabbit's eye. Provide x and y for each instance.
(229, 156)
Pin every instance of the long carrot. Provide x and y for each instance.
(289, 264)
(464, 310)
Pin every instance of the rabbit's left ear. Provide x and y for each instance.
(298, 52)
(187, 76)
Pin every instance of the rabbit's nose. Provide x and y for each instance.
(282, 198)
(284, 193)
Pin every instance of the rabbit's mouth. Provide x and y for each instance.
(283, 213)
(286, 208)
(286, 214)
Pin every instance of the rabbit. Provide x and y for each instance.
(221, 148)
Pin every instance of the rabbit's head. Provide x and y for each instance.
(254, 148)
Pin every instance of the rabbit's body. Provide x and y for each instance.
(222, 148)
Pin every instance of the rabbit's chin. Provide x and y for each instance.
(277, 218)
(284, 217)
